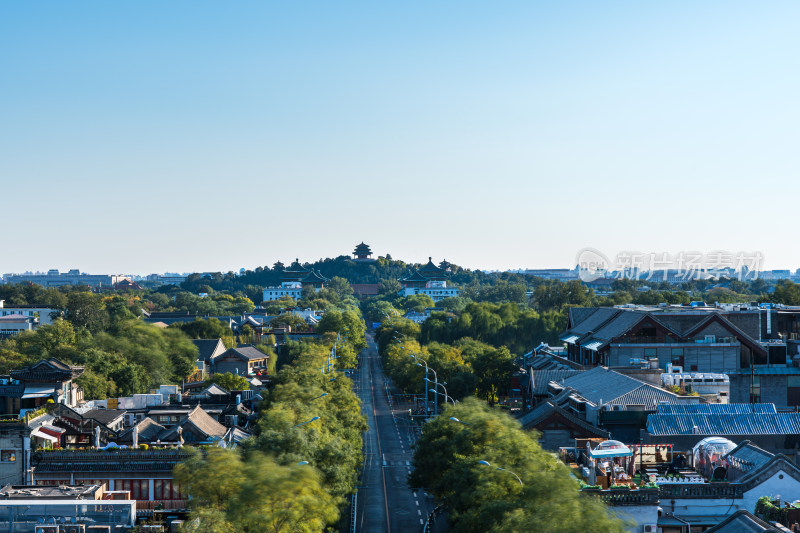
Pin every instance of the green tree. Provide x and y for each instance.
(86, 310)
(199, 328)
(482, 498)
(230, 381)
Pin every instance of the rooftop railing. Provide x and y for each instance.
(648, 496)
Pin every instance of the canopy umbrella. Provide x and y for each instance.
(609, 448)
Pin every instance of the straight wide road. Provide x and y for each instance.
(385, 501)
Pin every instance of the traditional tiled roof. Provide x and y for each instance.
(47, 371)
(314, 277)
(148, 431)
(747, 456)
(545, 410)
(594, 321)
(104, 416)
(595, 328)
(213, 390)
(431, 271)
(540, 378)
(579, 314)
(207, 348)
(415, 276)
(743, 521)
(362, 249)
(200, 420)
(245, 353)
(612, 388)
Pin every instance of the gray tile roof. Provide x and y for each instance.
(200, 420)
(615, 327)
(148, 431)
(595, 321)
(747, 456)
(540, 378)
(743, 521)
(207, 348)
(246, 353)
(579, 314)
(612, 388)
(545, 409)
(104, 416)
(597, 329)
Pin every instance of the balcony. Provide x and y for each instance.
(146, 508)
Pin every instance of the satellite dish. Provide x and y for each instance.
(652, 478)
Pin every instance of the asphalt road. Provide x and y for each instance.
(385, 501)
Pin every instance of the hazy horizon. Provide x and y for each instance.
(198, 136)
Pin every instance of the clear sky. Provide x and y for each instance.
(197, 135)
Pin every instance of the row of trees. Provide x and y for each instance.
(514, 326)
(467, 366)
(522, 488)
(303, 462)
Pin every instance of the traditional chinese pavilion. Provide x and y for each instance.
(432, 272)
(295, 272)
(362, 252)
(414, 280)
(314, 279)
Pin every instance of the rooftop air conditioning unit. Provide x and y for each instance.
(46, 529)
(650, 528)
(73, 528)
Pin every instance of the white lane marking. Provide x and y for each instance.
(420, 521)
(417, 502)
(419, 512)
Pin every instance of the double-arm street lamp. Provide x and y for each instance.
(446, 396)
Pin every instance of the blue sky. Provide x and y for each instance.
(153, 136)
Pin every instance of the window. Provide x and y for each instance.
(139, 488)
(650, 352)
(164, 489)
(8, 456)
(793, 390)
(755, 390)
(677, 352)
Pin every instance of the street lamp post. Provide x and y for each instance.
(435, 382)
(487, 463)
(304, 423)
(446, 396)
(416, 360)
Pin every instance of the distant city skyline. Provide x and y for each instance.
(151, 137)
